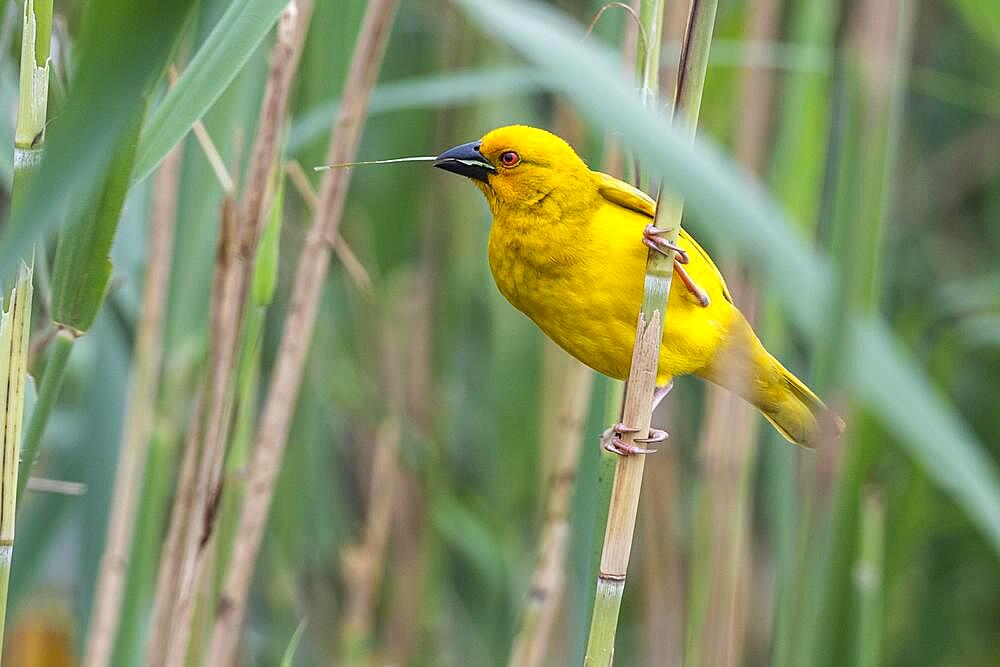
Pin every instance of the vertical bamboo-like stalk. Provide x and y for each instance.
(15, 318)
(29, 140)
(15, 321)
(138, 421)
(637, 408)
(272, 434)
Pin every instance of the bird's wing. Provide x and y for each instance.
(622, 194)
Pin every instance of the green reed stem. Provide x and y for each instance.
(55, 367)
(637, 407)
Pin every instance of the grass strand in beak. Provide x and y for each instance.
(421, 158)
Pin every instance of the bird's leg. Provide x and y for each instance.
(661, 392)
(612, 441)
(651, 239)
(692, 286)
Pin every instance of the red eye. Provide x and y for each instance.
(509, 159)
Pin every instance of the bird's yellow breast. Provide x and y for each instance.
(579, 276)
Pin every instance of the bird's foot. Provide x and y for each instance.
(652, 240)
(612, 441)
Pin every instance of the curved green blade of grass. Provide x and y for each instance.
(227, 48)
(983, 18)
(881, 371)
(131, 39)
(441, 90)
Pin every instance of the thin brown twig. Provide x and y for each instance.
(355, 269)
(300, 180)
(208, 147)
(139, 416)
(272, 432)
(629, 11)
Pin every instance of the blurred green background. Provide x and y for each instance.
(875, 124)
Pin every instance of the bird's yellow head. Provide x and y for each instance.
(519, 166)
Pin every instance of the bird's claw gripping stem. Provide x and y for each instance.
(612, 440)
(652, 240)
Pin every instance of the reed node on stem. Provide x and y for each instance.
(15, 313)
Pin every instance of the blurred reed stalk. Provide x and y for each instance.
(161, 631)
(874, 71)
(637, 407)
(803, 146)
(139, 417)
(181, 516)
(240, 235)
(272, 433)
(548, 581)
(868, 580)
(729, 428)
(15, 318)
(393, 496)
(363, 563)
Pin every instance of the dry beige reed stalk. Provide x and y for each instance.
(729, 429)
(355, 269)
(532, 643)
(139, 416)
(363, 563)
(181, 522)
(272, 434)
(240, 233)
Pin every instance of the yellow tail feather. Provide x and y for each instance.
(797, 413)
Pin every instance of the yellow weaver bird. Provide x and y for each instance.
(568, 249)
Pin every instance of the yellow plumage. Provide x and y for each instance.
(565, 249)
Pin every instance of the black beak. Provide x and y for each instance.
(466, 160)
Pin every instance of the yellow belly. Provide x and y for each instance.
(583, 286)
